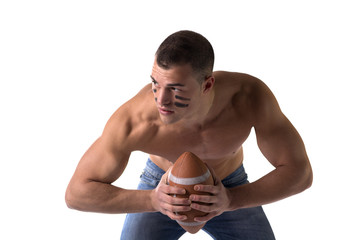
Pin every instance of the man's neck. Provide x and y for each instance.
(204, 114)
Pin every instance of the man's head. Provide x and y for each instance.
(182, 79)
(187, 47)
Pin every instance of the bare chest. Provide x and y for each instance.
(220, 140)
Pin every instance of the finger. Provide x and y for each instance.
(176, 208)
(172, 190)
(202, 198)
(176, 216)
(206, 188)
(201, 207)
(177, 201)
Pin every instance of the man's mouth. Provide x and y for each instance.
(165, 111)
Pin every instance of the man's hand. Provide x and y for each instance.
(215, 204)
(163, 200)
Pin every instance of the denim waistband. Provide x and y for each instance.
(236, 178)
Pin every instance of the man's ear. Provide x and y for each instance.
(208, 84)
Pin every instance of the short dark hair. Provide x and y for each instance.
(187, 47)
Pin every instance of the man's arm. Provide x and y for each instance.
(281, 144)
(283, 147)
(91, 189)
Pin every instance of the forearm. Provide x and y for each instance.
(95, 196)
(279, 184)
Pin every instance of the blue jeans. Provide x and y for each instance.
(247, 223)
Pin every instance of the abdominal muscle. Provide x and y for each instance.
(222, 167)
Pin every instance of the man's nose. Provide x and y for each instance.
(163, 97)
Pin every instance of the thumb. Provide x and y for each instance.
(213, 174)
(165, 177)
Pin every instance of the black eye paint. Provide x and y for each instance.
(155, 99)
(180, 105)
(182, 98)
(154, 90)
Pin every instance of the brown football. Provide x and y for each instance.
(188, 171)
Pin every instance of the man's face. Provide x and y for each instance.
(176, 92)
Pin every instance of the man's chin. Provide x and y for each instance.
(168, 120)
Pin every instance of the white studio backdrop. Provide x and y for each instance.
(66, 66)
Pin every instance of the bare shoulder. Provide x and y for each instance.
(248, 94)
(240, 83)
(134, 122)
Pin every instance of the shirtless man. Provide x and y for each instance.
(188, 107)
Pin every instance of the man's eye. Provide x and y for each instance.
(155, 83)
(176, 89)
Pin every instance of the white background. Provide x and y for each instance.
(66, 66)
